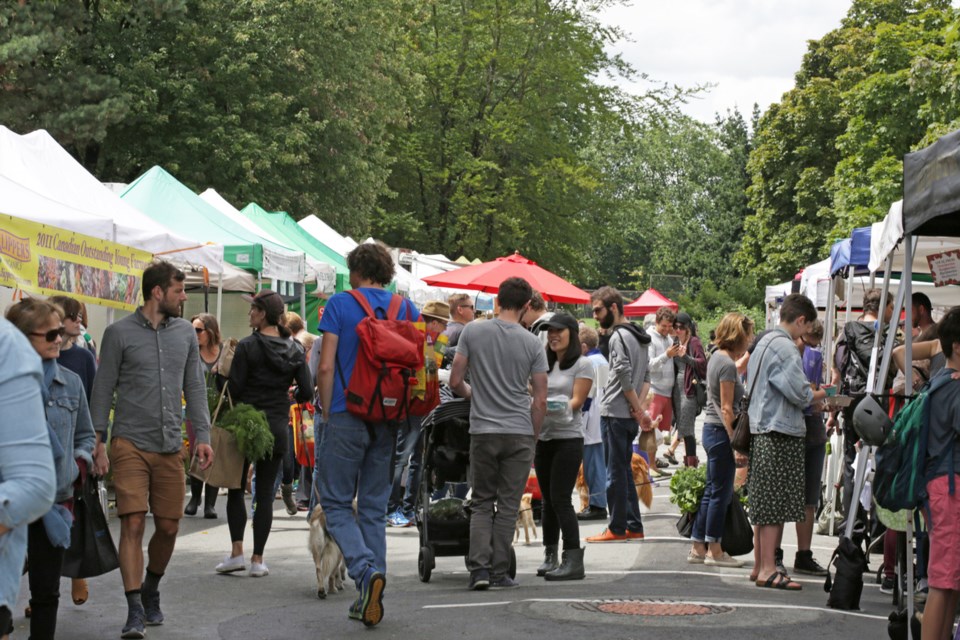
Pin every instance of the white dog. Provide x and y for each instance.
(331, 569)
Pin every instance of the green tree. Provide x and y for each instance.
(490, 160)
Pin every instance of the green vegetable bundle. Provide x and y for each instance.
(251, 428)
(687, 486)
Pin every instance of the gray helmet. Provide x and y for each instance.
(871, 422)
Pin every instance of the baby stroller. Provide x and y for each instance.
(444, 525)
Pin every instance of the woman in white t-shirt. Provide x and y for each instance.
(560, 446)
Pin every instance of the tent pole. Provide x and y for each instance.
(850, 274)
(219, 295)
(906, 284)
(303, 302)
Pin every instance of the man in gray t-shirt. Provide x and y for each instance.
(502, 358)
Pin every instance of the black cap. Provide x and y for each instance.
(560, 321)
(268, 300)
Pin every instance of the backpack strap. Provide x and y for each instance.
(363, 302)
(394, 309)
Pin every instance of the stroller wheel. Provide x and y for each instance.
(425, 563)
(512, 571)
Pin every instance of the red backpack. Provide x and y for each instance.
(389, 354)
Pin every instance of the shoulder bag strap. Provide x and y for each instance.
(753, 383)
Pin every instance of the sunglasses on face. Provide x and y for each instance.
(50, 336)
(199, 330)
(76, 317)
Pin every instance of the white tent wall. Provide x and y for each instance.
(325, 234)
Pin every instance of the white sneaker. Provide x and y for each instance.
(259, 569)
(230, 565)
(726, 560)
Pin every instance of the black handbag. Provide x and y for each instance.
(850, 562)
(685, 524)
(737, 537)
(91, 552)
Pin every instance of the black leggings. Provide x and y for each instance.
(690, 446)
(267, 470)
(557, 463)
(45, 563)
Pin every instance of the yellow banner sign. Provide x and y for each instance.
(46, 260)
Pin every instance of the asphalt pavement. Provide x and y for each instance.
(632, 590)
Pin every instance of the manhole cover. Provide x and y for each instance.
(650, 608)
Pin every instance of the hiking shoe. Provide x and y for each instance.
(397, 519)
(259, 569)
(886, 586)
(371, 597)
(503, 582)
(355, 612)
(608, 536)
(151, 608)
(229, 565)
(805, 563)
(134, 629)
(634, 535)
(479, 580)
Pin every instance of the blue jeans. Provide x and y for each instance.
(355, 460)
(408, 456)
(618, 435)
(595, 474)
(708, 525)
(318, 425)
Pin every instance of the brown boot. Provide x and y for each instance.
(691, 461)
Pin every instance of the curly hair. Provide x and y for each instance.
(371, 261)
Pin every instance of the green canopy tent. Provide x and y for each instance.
(280, 225)
(163, 198)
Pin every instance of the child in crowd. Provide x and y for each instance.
(943, 513)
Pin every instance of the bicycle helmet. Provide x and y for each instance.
(871, 421)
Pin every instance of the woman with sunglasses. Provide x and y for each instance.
(690, 364)
(76, 357)
(72, 439)
(208, 336)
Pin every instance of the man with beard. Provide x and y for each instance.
(150, 359)
(621, 412)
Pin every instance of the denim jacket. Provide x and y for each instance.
(27, 479)
(780, 389)
(69, 417)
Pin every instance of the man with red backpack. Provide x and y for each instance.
(369, 358)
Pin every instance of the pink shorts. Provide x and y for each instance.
(944, 531)
(662, 406)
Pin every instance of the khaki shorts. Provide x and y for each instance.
(147, 481)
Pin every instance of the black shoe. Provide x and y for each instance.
(134, 628)
(151, 608)
(887, 585)
(592, 513)
(479, 580)
(191, 508)
(805, 563)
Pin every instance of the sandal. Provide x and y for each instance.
(784, 583)
(671, 458)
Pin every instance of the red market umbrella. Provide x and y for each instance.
(648, 302)
(487, 277)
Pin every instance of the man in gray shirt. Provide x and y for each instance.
(150, 359)
(621, 413)
(502, 358)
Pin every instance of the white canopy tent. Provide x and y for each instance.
(327, 235)
(38, 162)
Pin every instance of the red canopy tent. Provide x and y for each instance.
(488, 276)
(649, 302)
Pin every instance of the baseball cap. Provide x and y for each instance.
(268, 300)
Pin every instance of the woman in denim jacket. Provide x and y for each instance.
(71, 439)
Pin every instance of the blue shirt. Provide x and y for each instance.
(944, 431)
(341, 316)
(27, 478)
(813, 369)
